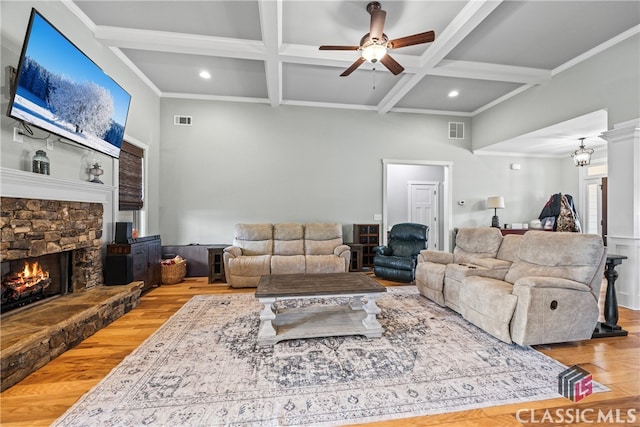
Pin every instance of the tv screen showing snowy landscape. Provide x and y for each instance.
(59, 89)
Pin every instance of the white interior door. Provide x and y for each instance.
(423, 208)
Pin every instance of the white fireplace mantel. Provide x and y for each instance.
(28, 185)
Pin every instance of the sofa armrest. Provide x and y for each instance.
(551, 310)
(438, 257)
(381, 250)
(344, 252)
(341, 249)
(233, 251)
(551, 282)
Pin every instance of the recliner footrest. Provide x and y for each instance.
(400, 263)
(394, 274)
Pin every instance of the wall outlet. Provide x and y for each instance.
(49, 144)
(18, 136)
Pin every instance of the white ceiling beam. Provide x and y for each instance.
(201, 97)
(503, 98)
(163, 41)
(596, 50)
(485, 71)
(474, 12)
(142, 76)
(460, 27)
(80, 14)
(271, 24)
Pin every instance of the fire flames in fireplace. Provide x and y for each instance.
(29, 281)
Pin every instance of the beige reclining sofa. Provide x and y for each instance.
(288, 248)
(538, 288)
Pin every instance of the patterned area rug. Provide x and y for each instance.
(203, 368)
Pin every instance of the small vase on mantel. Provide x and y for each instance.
(95, 172)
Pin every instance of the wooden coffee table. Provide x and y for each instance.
(355, 318)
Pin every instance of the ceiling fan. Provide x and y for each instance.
(375, 43)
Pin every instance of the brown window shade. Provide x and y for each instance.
(130, 177)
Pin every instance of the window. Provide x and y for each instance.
(130, 177)
(598, 169)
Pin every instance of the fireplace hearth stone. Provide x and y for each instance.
(32, 338)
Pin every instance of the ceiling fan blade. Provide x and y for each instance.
(339, 47)
(353, 66)
(426, 37)
(378, 17)
(392, 64)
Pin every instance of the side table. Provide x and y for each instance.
(216, 262)
(356, 256)
(610, 326)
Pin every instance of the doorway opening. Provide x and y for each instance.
(399, 176)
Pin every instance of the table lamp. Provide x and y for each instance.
(495, 203)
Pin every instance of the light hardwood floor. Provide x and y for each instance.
(47, 393)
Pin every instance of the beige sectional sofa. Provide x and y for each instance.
(288, 248)
(541, 287)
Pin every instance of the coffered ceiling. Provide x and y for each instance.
(267, 51)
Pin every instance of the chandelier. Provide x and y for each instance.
(582, 156)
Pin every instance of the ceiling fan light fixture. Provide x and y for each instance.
(374, 52)
(374, 45)
(582, 156)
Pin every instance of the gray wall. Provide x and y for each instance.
(253, 163)
(70, 160)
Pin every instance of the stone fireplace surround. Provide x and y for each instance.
(43, 215)
(32, 228)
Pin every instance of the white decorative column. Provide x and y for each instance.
(623, 208)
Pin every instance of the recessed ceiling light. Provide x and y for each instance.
(453, 93)
(205, 74)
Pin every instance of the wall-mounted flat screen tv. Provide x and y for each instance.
(60, 90)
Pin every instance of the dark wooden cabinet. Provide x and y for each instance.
(137, 260)
(216, 263)
(195, 254)
(368, 235)
(154, 257)
(356, 257)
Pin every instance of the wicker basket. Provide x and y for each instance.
(173, 273)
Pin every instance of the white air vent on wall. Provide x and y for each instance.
(456, 130)
(182, 120)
